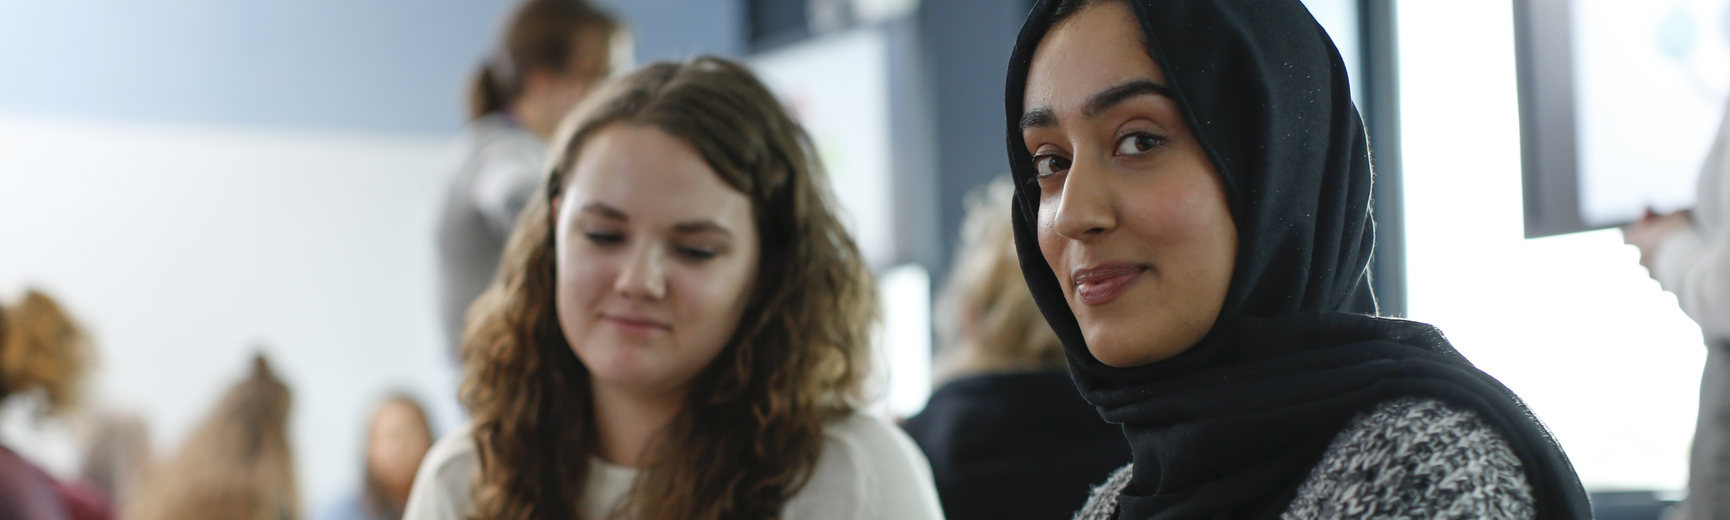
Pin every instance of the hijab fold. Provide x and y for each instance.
(1231, 427)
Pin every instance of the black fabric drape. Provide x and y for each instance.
(1231, 427)
(1014, 446)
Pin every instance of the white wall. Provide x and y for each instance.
(183, 248)
(1340, 19)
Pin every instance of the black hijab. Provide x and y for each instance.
(1232, 426)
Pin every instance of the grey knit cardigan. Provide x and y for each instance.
(1407, 458)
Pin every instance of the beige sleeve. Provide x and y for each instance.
(869, 470)
(443, 488)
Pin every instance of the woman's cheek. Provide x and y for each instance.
(1051, 244)
(584, 278)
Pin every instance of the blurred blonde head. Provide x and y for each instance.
(236, 465)
(42, 348)
(986, 317)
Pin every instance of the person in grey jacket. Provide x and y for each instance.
(1193, 218)
(1688, 252)
(552, 52)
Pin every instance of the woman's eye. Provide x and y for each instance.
(1137, 143)
(1050, 165)
(697, 253)
(603, 238)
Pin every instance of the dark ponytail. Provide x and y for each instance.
(541, 35)
(486, 95)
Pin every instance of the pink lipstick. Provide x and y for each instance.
(1101, 284)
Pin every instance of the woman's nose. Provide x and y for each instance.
(644, 275)
(1084, 209)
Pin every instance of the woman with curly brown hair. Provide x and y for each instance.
(678, 330)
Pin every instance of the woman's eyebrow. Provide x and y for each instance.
(1038, 117)
(1099, 103)
(1106, 99)
(701, 226)
(604, 211)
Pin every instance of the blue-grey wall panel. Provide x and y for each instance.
(392, 65)
(364, 65)
(679, 29)
(967, 45)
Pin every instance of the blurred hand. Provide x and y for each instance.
(1650, 231)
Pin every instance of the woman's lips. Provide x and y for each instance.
(1100, 285)
(634, 325)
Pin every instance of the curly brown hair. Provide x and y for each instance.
(42, 346)
(750, 432)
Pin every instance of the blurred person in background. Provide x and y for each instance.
(236, 464)
(1192, 214)
(1008, 436)
(552, 53)
(679, 331)
(43, 350)
(398, 437)
(1688, 252)
(118, 457)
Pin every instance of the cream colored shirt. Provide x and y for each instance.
(869, 470)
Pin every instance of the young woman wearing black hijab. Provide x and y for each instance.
(1193, 217)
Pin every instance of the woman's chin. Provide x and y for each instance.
(618, 367)
(635, 382)
(1119, 357)
(1122, 352)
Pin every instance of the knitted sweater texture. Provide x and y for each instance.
(1407, 458)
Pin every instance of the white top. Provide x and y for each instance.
(1694, 262)
(869, 470)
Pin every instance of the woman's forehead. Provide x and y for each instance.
(1087, 54)
(640, 173)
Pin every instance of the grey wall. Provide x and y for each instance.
(966, 46)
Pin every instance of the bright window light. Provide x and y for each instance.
(1570, 323)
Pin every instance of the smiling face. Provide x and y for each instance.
(655, 260)
(395, 446)
(1133, 218)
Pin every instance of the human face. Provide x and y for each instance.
(397, 444)
(655, 258)
(1132, 215)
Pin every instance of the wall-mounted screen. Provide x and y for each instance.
(1619, 102)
